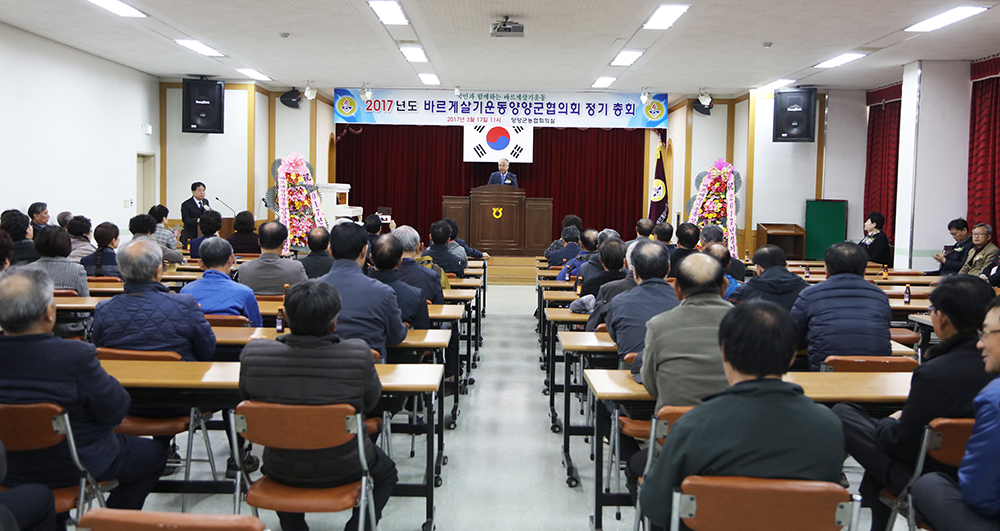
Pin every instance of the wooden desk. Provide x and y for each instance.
(463, 295)
(445, 312)
(78, 304)
(898, 280)
(477, 264)
(421, 339)
(240, 336)
(547, 273)
(465, 283)
(105, 288)
(925, 326)
(560, 296)
(587, 341)
(556, 284)
(182, 277)
(473, 272)
(916, 292)
(915, 305)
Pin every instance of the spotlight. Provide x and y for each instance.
(644, 97)
(457, 92)
(309, 92)
(704, 97)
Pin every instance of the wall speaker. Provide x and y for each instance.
(794, 115)
(204, 103)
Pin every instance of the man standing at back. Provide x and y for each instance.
(268, 274)
(773, 281)
(844, 315)
(191, 211)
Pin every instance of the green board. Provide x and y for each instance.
(826, 224)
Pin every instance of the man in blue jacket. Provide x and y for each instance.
(216, 293)
(973, 502)
(571, 247)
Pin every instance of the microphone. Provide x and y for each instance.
(227, 206)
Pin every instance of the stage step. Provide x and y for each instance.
(512, 270)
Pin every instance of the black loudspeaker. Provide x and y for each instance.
(204, 103)
(794, 115)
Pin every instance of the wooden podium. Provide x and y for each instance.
(498, 219)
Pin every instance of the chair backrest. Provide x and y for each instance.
(270, 298)
(603, 327)
(451, 275)
(869, 364)
(114, 280)
(296, 427)
(948, 439)
(724, 503)
(666, 417)
(104, 353)
(227, 320)
(375, 354)
(104, 519)
(30, 426)
(65, 293)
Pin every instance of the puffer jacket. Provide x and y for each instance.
(149, 317)
(845, 315)
(775, 284)
(43, 368)
(312, 370)
(979, 475)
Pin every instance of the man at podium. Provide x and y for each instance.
(503, 176)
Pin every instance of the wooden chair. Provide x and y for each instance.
(869, 364)
(229, 321)
(297, 427)
(270, 298)
(65, 293)
(944, 441)
(104, 519)
(164, 427)
(725, 503)
(29, 427)
(114, 280)
(658, 428)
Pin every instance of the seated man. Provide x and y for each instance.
(973, 502)
(721, 253)
(411, 272)
(163, 235)
(387, 254)
(844, 315)
(629, 312)
(773, 281)
(474, 254)
(663, 233)
(643, 229)
(760, 427)
(313, 365)
(611, 290)
(983, 253)
(39, 214)
(570, 238)
(439, 252)
(944, 385)
(18, 227)
(28, 507)
(268, 274)
(687, 243)
(371, 312)
(143, 225)
(558, 243)
(216, 293)
(39, 367)
(612, 257)
(210, 223)
(317, 263)
(713, 234)
(453, 246)
(589, 242)
(953, 261)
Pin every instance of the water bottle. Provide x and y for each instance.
(807, 270)
(906, 295)
(280, 322)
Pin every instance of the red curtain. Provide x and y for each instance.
(881, 163)
(984, 152)
(593, 173)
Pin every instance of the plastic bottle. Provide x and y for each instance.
(885, 272)
(748, 255)
(579, 284)
(906, 295)
(807, 270)
(280, 322)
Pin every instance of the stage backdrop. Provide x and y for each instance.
(593, 173)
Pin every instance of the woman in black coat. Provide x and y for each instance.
(876, 243)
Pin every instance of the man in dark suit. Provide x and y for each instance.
(318, 261)
(503, 176)
(191, 211)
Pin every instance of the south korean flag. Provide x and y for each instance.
(490, 143)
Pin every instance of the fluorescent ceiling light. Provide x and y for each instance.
(841, 59)
(429, 79)
(197, 46)
(250, 72)
(942, 20)
(119, 8)
(414, 54)
(665, 16)
(626, 57)
(388, 12)
(603, 82)
(777, 84)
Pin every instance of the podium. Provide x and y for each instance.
(500, 220)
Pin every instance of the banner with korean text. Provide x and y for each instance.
(501, 108)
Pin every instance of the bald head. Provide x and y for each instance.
(720, 252)
(649, 260)
(699, 273)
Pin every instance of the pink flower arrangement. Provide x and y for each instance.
(715, 200)
(298, 209)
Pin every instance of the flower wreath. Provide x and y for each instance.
(296, 200)
(716, 202)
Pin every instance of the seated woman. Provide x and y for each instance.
(54, 245)
(103, 262)
(876, 243)
(244, 240)
(210, 223)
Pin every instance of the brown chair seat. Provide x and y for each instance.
(105, 353)
(104, 519)
(232, 321)
(905, 336)
(869, 364)
(637, 429)
(266, 493)
(603, 327)
(65, 497)
(630, 357)
(114, 280)
(152, 427)
(65, 293)
(373, 425)
(270, 298)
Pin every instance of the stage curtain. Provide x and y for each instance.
(593, 173)
(881, 163)
(984, 152)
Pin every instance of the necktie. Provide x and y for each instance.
(199, 204)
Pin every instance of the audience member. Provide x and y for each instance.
(164, 236)
(39, 214)
(371, 313)
(39, 367)
(944, 385)
(191, 211)
(103, 262)
(317, 263)
(952, 261)
(844, 315)
(876, 243)
(469, 251)
(773, 281)
(244, 240)
(612, 257)
(439, 252)
(18, 227)
(27, 507)
(412, 272)
(209, 224)
(973, 502)
(453, 246)
(629, 312)
(610, 290)
(6, 249)
(268, 274)
(341, 371)
(570, 239)
(559, 243)
(54, 245)
(982, 255)
(215, 291)
(687, 241)
(143, 226)
(63, 218)
(759, 427)
(572, 267)
(79, 229)
(643, 230)
(721, 253)
(713, 234)
(373, 228)
(387, 255)
(663, 233)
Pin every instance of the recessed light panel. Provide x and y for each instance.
(603, 82)
(948, 17)
(665, 16)
(841, 59)
(626, 57)
(119, 8)
(389, 12)
(251, 73)
(197, 46)
(429, 79)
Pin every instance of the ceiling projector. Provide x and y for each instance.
(505, 28)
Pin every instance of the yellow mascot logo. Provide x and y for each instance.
(498, 212)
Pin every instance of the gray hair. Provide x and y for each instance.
(215, 252)
(712, 233)
(628, 254)
(139, 258)
(408, 236)
(986, 227)
(26, 293)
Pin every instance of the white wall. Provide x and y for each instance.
(324, 128)
(262, 166)
(291, 130)
(741, 136)
(677, 134)
(844, 162)
(72, 127)
(708, 141)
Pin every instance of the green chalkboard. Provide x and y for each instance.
(826, 224)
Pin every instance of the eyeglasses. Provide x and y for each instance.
(979, 234)
(930, 308)
(984, 333)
